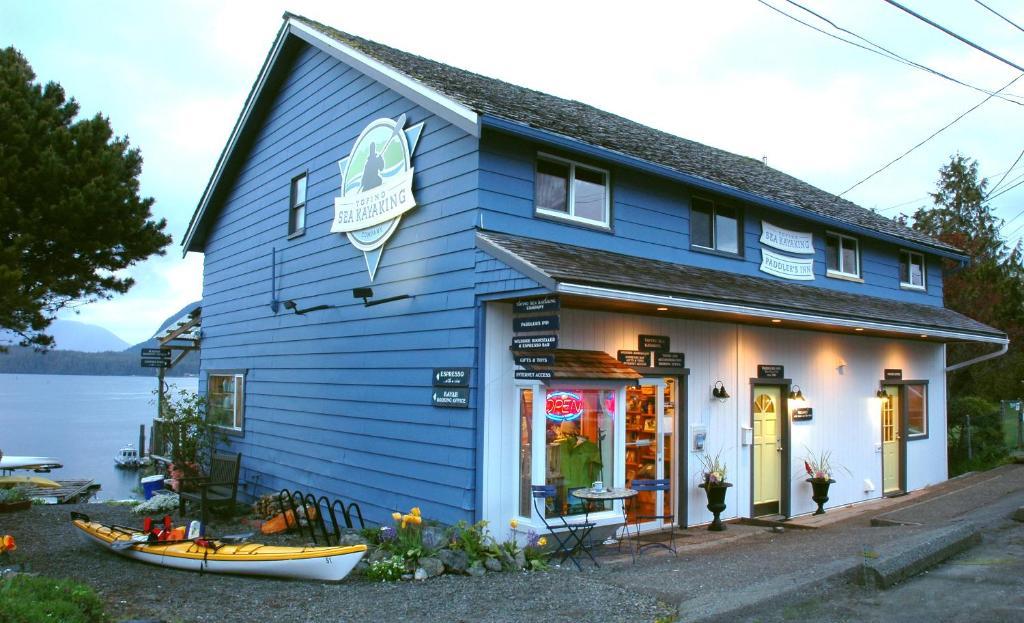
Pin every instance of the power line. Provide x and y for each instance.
(933, 135)
(881, 50)
(994, 188)
(954, 35)
(1000, 15)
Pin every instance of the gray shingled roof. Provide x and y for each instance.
(606, 130)
(584, 266)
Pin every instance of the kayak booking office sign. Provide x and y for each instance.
(376, 186)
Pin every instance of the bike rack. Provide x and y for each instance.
(297, 501)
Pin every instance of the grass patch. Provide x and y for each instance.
(35, 599)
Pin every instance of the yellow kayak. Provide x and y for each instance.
(28, 481)
(331, 563)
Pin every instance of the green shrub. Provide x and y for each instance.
(987, 443)
(34, 599)
(387, 569)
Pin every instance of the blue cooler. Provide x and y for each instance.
(152, 484)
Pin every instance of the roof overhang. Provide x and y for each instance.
(584, 365)
(565, 142)
(441, 105)
(586, 294)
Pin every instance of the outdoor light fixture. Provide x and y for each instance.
(796, 394)
(289, 304)
(367, 293)
(718, 391)
(881, 393)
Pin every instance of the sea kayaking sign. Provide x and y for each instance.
(376, 186)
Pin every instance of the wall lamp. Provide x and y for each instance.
(718, 391)
(881, 393)
(289, 304)
(795, 393)
(367, 293)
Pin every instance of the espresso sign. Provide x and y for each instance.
(669, 360)
(451, 397)
(534, 342)
(894, 374)
(532, 306)
(768, 371)
(535, 360)
(542, 375)
(451, 377)
(635, 358)
(657, 343)
(535, 323)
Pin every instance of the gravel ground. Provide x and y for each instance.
(703, 572)
(48, 543)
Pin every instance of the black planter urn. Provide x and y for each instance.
(716, 502)
(819, 486)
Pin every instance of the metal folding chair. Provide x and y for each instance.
(652, 485)
(573, 534)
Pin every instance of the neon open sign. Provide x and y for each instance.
(564, 406)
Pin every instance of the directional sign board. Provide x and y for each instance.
(531, 306)
(450, 397)
(154, 363)
(535, 323)
(156, 353)
(451, 377)
(635, 358)
(534, 342)
(535, 360)
(669, 360)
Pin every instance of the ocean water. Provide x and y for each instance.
(81, 420)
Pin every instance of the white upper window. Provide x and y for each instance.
(573, 191)
(297, 205)
(842, 255)
(912, 270)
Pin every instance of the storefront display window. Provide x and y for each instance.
(917, 419)
(579, 429)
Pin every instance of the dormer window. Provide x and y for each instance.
(912, 270)
(842, 256)
(572, 191)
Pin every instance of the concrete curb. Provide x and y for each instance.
(918, 554)
(913, 557)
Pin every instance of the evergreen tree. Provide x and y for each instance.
(70, 213)
(989, 288)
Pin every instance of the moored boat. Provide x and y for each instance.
(28, 481)
(127, 457)
(35, 463)
(331, 563)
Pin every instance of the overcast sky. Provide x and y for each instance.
(734, 74)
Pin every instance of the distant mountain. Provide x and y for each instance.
(86, 338)
(122, 362)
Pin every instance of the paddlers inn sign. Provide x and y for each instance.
(376, 186)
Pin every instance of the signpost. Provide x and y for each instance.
(669, 360)
(894, 374)
(657, 343)
(532, 306)
(155, 358)
(530, 375)
(451, 377)
(534, 342)
(535, 323)
(769, 371)
(635, 358)
(450, 397)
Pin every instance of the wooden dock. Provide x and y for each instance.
(69, 492)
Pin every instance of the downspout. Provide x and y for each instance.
(970, 362)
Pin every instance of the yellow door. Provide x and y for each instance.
(891, 440)
(767, 457)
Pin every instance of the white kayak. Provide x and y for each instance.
(40, 463)
(330, 564)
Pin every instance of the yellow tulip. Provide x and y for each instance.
(417, 519)
(514, 524)
(542, 541)
(396, 516)
(7, 544)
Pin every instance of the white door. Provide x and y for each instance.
(767, 450)
(891, 440)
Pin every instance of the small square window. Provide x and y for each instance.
(842, 255)
(225, 400)
(714, 226)
(912, 270)
(297, 205)
(572, 191)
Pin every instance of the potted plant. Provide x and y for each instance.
(14, 499)
(713, 481)
(819, 468)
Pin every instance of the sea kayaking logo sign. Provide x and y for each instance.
(376, 186)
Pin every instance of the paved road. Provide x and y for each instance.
(983, 584)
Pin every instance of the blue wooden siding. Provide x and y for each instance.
(338, 401)
(650, 218)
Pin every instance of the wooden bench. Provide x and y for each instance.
(219, 488)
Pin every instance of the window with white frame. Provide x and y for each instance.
(225, 404)
(714, 226)
(569, 190)
(912, 270)
(842, 255)
(297, 205)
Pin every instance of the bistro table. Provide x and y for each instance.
(589, 495)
